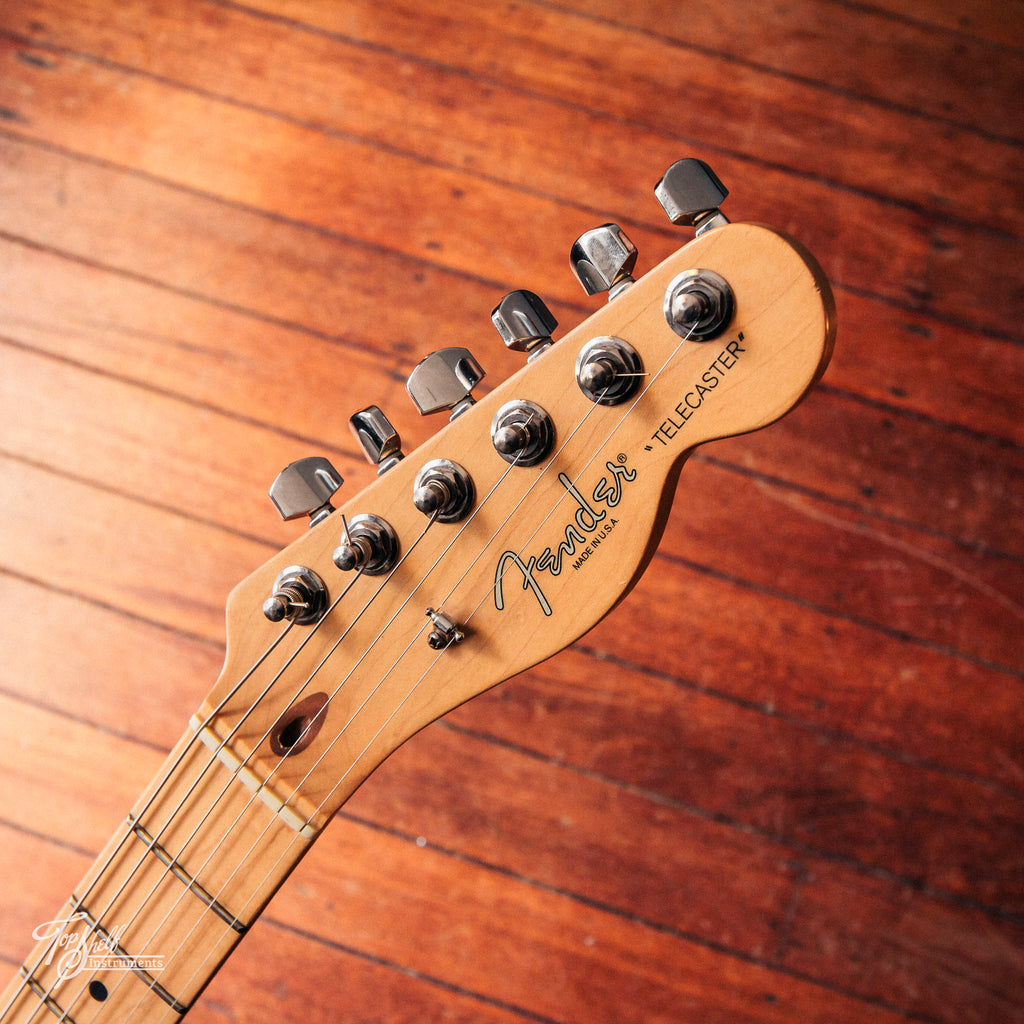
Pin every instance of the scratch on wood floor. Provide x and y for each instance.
(797, 503)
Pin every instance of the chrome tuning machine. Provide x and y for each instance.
(690, 193)
(299, 595)
(699, 303)
(524, 323)
(522, 433)
(369, 544)
(444, 380)
(377, 437)
(603, 260)
(305, 488)
(608, 370)
(443, 489)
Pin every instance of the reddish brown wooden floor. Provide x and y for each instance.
(784, 781)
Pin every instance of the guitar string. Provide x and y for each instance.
(529, 540)
(309, 679)
(352, 718)
(429, 668)
(490, 590)
(154, 841)
(79, 902)
(222, 745)
(366, 653)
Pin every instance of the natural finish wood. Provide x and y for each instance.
(783, 780)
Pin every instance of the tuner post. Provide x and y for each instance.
(608, 370)
(299, 595)
(522, 433)
(443, 489)
(369, 544)
(698, 305)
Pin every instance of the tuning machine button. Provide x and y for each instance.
(603, 260)
(608, 370)
(444, 380)
(522, 433)
(368, 543)
(442, 488)
(524, 323)
(377, 437)
(305, 488)
(690, 193)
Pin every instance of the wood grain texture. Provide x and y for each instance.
(784, 781)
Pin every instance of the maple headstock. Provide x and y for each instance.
(540, 552)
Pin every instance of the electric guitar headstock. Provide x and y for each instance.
(495, 544)
(524, 521)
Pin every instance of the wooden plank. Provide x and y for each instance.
(893, 61)
(279, 969)
(875, 573)
(925, 266)
(902, 360)
(992, 20)
(972, 610)
(784, 121)
(89, 662)
(162, 567)
(937, 960)
(882, 470)
(608, 968)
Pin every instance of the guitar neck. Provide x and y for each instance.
(501, 540)
(167, 900)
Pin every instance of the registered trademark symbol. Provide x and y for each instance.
(621, 457)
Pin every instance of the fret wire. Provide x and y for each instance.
(242, 763)
(113, 853)
(45, 998)
(354, 714)
(203, 771)
(429, 668)
(185, 878)
(140, 972)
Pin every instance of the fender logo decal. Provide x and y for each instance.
(581, 535)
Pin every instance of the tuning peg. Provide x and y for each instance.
(690, 193)
(444, 380)
(377, 437)
(524, 323)
(603, 260)
(305, 488)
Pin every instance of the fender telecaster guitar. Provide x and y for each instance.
(497, 543)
